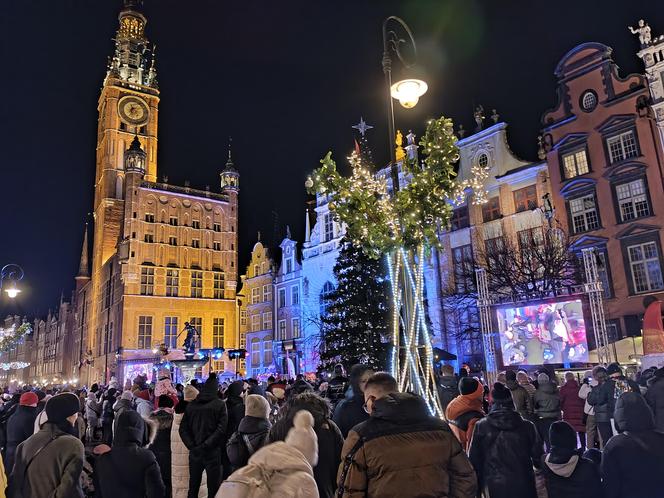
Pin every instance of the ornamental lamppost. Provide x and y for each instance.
(14, 273)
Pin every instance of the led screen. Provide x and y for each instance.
(537, 334)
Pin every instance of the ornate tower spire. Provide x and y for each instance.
(84, 266)
(134, 157)
(230, 178)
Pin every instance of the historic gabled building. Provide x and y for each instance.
(289, 342)
(604, 158)
(162, 255)
(256, 311)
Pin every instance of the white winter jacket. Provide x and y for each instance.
(277, 470)
(180, 463)
(583, 394)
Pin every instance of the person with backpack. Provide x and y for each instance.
(252, 433)
(465, 410)
(402, 451)
(203, 432)
(280, 469)
(504, 449)
(128, 469)
(448, 386)
(50, 462)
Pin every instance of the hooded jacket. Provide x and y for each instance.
(180, 461)
(203, 427)
(572, 405)
(568, 475)
(523, 401)
(234, 405)
(20, 426)
(503, 451)
(350, 411)
(256, 431)
(547, 401)
(330, 440)
(119, 407)
(128, 470)
(162, 421)
(463, 412)
(655, 397)
(448, 389)
(406, 453)
(633, 461)
(602, 398)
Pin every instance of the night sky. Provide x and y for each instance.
(286, 79)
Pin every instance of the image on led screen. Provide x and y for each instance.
(536, 334)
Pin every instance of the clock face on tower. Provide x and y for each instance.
(133, 111)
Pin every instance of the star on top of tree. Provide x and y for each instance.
(362, 126)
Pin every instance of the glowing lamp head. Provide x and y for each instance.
(408, 92)
(13, 291)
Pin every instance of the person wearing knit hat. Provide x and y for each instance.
(252, 433)
(121, 405)
(190, 393)
(49, 463)
(284, 468)
(546, 405)
(465, 410)
(567, 474)
(20, 426)
(504, 449)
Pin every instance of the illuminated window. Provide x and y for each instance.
(575, 163)
(282, 330)
(328, 227)
(491, 209)
(267, 292)
(243, 317)
(172, 282)
(144, 332)
(218, 285)
(218, 332)
(170, 331)
(255, 295)
(255, 323)
(267, 320)
(196, 284)
(525, 198)
(296, 327)
(147, 281)
(622, 147)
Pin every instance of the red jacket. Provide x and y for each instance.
(572, 405)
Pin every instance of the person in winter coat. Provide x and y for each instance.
(336, 387)
(611, 384)
(180, 453)
(42, 418)
(49, 463)
(121, 405)
(143, 405)
(572, 406)
(234, 405)
(504, 449)
(655, 397)
(566, 472)
(524, 381)
(523, 402)
(592, 439)
(162, 421)
(7, 411)
(546, 404)
(203, 432)
(330, 440)
(633, 461)
(107, 415)
(252, 434)
(128, 469)
(402, 450)
(465, 410)
(281, 469)
(350, 412)
(92, 414)
(20, 426)
(448, 386)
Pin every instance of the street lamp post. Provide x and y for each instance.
(14, 273)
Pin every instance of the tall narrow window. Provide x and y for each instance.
(632, 200)
(218, 332)
(328, 227)
(295, 295)
(105, 338)
(197, 323)
(144, 332)
(216, 227)
(255, 295)
(255, 353)
(147, 281)
(267, 350)
(196, 284)
(267, 292)
(173, 221)
(172, 282)
(149, 217)
(218, 285)
(243, 317)
(462, 259)
(622, 147)
(324, 298)
(267, 320)
(255, 322)
(171, 331)
(645, 267)
(584, 214)
(289, 265)
(196, 243)
(196, 224)
(282, 298)
(575, 163)
(296, 327)
(282, 330)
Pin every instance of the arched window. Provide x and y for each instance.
(324, 298)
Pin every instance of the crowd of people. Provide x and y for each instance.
(600, 434)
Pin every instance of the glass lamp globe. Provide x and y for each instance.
(408, 92)
(13, 291)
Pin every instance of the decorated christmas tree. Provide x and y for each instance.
(355, 325)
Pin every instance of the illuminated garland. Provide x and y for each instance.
(380, 223)
(9, 339)
(14, 365)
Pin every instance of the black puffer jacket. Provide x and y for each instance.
(568, 475)
(162, 421)
(128, 470)
(204, 424)
(602, 398)
(448, 389)
(330, 440)
(633, 462)
(350, 412)
(655, 397)
(20, 427)
(503, 451)
(234, 405)
(256, 431)
(547, 401)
